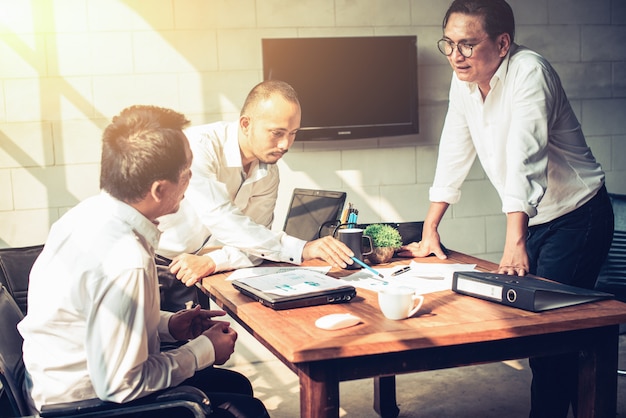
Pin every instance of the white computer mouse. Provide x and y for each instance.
(337, 321)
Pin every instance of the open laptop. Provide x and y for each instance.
(310, 210)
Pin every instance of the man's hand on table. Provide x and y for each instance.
(423, 248)
(190, 269)
(329, 249)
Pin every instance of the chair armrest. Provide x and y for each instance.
(186, 393)
(182, 396)
(77, 407)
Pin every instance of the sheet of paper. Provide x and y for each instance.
(263, 271)
(293, 282)
(423, 277)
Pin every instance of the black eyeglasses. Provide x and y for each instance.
(446, 47)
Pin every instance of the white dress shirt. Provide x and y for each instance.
(526, 136)
(236, 211)
(93, 327)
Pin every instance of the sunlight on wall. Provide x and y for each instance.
(67, 67)
(17, 17)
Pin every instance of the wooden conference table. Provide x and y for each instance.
(450, 330)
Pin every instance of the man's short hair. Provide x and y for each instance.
(497, 15)
(142, 144)
(267, 89)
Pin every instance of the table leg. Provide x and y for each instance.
(319, 391)
(385, 396)
(597, 376)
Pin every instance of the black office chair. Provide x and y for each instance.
(15, 265)
(13, 403)
(612, 277)
(409, 231)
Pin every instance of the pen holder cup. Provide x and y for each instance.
(355, 240)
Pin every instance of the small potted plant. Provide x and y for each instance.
(385, 239)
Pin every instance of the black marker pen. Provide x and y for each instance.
(402, 270)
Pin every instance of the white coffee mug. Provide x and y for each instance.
(399, 302)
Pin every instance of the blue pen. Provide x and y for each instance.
(362, 264)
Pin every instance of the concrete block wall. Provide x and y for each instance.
(68, 66)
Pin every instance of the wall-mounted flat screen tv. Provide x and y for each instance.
(349, 87)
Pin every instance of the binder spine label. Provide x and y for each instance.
(472, 287)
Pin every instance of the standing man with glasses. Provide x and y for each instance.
(507, 107)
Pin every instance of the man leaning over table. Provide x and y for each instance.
(232, 194)
(93, 325)
(507, 107)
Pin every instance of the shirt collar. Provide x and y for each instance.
(499, 75)
(233, 153)
(139, 223)
(503, 69)
(231, 145)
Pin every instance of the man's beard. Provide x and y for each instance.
(272, 158)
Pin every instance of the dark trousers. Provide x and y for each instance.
(570, 249)
(230, 394)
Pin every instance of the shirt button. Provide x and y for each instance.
(290, 258)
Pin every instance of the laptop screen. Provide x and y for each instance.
(310, 209)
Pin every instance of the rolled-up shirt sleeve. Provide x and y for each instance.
(228, 258)
(527, 142)
(456, 153)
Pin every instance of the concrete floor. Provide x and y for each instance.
(494, 390)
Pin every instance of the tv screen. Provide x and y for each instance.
(350, 87)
